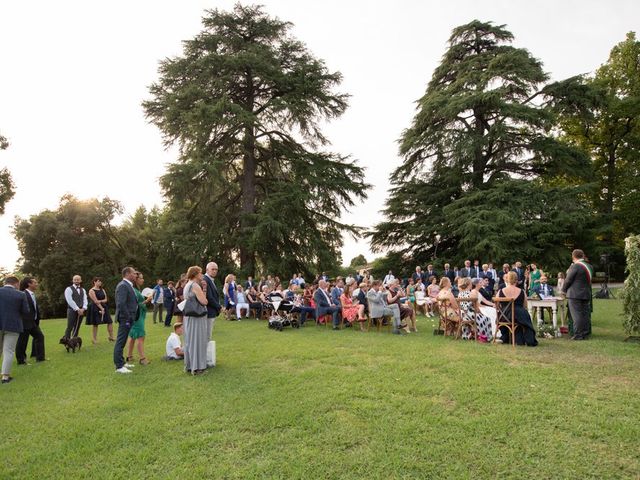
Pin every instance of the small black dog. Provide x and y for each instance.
(71, 343)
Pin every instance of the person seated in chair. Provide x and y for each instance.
(242, 303)
(254, 302)
(543, 289)
(378, 307)
(324, 305)
(174, 346)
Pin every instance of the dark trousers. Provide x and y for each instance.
(581, 315)
(167, 319)
(333, 311)
(304, 311)
(157, 309)
(257, 306)
(37, 349)
(73, 324)
(121, 341)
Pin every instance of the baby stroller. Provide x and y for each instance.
(278, 321)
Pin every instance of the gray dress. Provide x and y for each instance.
(195, 338)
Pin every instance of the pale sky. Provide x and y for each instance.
(73, 75)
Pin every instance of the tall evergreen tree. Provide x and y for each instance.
(478, 133)
(253, 182)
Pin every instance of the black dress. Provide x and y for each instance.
(94, 317)
(525, 333)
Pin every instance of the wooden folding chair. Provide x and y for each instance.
(506, 317)
(449, 324)
(472, 324)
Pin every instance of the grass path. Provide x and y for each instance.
(315, 403)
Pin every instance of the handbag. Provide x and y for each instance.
(192, 307)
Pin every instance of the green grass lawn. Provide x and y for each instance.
(313, 403)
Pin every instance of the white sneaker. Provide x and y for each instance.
(129, 365)
(123, 370)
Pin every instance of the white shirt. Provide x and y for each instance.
(241, 298)
(35, 304)
(388, 278)
(69, 298)
(173, 342)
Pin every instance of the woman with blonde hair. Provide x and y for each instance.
(525, 334)
(195, 327)
(446, 294)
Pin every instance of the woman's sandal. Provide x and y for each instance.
(144, 361)
(129, 359)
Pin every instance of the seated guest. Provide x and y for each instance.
(411, 292)
(543, 289)
(432, 296)
(525, 334)
(296, 303)
(336, 292)
(486, 274)
(254, 302)
(324, 305)
(446, 294)
(395, 295)
(378, 307)
(484, 289)
(470, 311)
(174, 347)
(242, 303)
(350, 309)
(362, 303)
(487, 307)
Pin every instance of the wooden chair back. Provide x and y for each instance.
(506, 316)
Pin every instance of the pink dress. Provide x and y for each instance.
(349, 310)
(433, 291)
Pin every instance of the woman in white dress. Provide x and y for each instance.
(487, 308)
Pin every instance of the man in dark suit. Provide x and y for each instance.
(450, 274)
(13, 305)
(466, 270)
(520, 273)
(324, 305)
(30, 325)
(213, 297)
(169, 302)
(476, 269)
(418, 275)
(501, 274)
(430, 273)
(543, 289)
(577, 289)
(249, 283)
(126, 314)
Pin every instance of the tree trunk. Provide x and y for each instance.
(248, 187)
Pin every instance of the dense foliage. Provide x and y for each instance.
(7, 188)
(476, 157)
(631, 292)
(254, 184)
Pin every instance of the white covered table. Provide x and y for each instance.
(551, 302)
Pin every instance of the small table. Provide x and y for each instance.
(550, 302)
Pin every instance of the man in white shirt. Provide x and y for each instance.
(388, 278)
(76, 298)
(174, 346)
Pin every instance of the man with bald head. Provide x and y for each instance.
(213, 297)
(76, 298)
